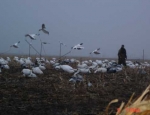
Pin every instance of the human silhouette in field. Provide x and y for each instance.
(122, 56)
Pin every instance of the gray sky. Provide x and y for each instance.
(96, 23)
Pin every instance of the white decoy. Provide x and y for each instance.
(6, 66)
(42, 67)
(57, 67)
(3, 62)
(15, 45)
(28, 61)
(21, 61)
(131, 65)
(32, 36)
(78, 46)
(32, 75)
(101, 70)
(47, 61)
(37, 70)
(93, 67)
(82, 65)
(72, 60)
(8, 59)
(118, 69)
(43, 29)
(15, 58)
(99, 62)
(76, 77)
(67, 68)
(26, 72)
(96, 51)
(52, 62)
(84, 70)
(89, 84)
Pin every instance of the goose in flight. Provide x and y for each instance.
(96, 51)
(15, 45)
(78, 46)
(44, 29)
(32, 36)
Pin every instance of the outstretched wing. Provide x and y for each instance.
(45, 31)
(27, 35)
(98, 48)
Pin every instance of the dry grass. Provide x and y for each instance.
(52, 93)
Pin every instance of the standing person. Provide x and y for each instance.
(122, 56)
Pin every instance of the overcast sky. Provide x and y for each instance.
(96, 23)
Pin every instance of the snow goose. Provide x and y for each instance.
(37, 70)
(67, 68)
(101, 70)
(8, 59)
(78, 46)
(43, 29)
(95, 51)
(28, 73)
(32, 36)
(15, 45)
(42, 67)
(76, 77)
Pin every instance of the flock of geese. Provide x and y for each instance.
(43, 29)
(32, 68)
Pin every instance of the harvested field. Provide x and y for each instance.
(53, 94)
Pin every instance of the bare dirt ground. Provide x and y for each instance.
(53, 94)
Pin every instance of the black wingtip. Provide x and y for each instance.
(43, 26)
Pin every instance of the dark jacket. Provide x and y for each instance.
(122, 53)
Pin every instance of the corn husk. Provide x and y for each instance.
(140, 107)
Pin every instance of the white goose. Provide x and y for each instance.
(42, 67)
(101, 70)
(83, 65)
(28, 73)
(76, 77)
(84, 70)
(37, 70)
(43, 29)
(67, 68)
(8, 59)
(3, 62)
(32, 36)
(15, 45)
(78, 46)
(96, 51)
(28, 61)
(5, 66)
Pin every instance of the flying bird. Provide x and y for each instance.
(44, 29)
(45, 43)
(96, 51)
(43, 26)
(32, 36)
(78, 46)
(15, 45)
